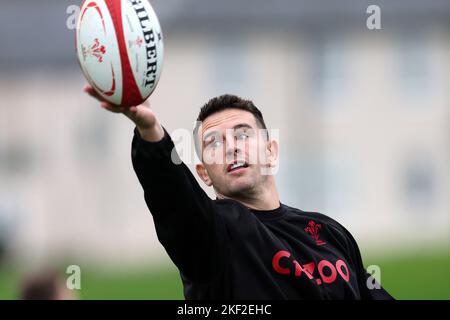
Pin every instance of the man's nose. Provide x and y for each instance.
(231, 148)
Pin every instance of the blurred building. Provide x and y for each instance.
(364, 119)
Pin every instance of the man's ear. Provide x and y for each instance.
(272, 153)
(203, 174)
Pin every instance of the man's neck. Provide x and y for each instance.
(266, 199)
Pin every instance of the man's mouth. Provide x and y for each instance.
(236, 166)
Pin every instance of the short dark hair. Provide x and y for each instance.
(229, 101)
(224, 102)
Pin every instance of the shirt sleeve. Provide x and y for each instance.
(186, 222)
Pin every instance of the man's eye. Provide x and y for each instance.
(242, 136)
(216, 144)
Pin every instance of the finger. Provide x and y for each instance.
(106, 105)
(91, 91)
(130, 112)
(93, 94)
(133, 110)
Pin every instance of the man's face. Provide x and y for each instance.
(235, 153)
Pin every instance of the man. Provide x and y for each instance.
(245, 244)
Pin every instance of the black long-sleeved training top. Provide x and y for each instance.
(225, 250)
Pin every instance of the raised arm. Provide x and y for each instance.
(185, 218)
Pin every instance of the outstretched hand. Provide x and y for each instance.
(142, 115)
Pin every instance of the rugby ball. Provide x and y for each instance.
(119, 46)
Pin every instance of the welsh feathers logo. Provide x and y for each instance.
(96, 50)
(313, 229)
(138, 42)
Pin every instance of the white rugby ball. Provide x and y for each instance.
(120, 49)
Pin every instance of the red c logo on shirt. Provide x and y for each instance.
(327, 270)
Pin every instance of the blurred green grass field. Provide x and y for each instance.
(423, 274)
